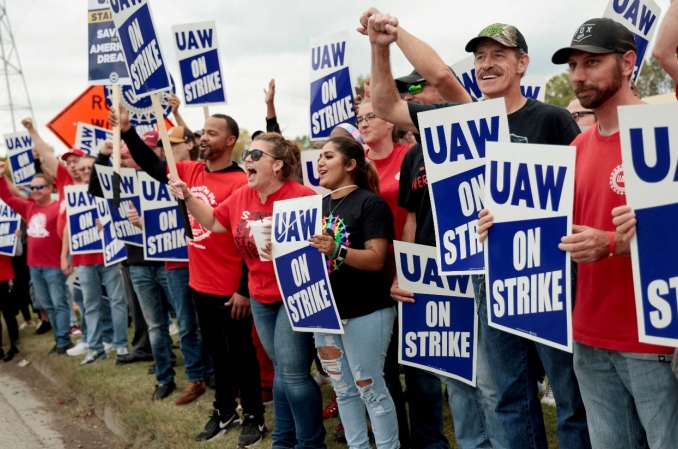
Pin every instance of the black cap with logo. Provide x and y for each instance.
(598, 36)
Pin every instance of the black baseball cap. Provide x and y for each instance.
(506, 35)
(599, 36)
(412, 78)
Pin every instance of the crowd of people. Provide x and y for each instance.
(234, 332)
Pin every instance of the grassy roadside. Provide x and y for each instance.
(127, 389)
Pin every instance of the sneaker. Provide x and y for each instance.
(340, 434)
(218, 426)
(548, 398)
(53, 350)
(122, 351)
(163, 390)
(45, 326)
(321, 379)
(93, 356)
(25, 324)
(79, 349)
(192, 391)
(173, 329)
(266, 396)
(331, 410)
(108, 347)
(75, 331)
(62, 349)
(253, 431)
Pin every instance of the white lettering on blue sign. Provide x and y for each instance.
(458, 147)
(295, 226)
(518, 184)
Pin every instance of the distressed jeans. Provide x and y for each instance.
(362, 348)
(51, 292)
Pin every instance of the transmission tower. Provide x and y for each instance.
(15, 104)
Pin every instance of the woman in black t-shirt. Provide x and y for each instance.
(358, 227)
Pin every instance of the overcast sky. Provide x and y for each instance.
(264, 39)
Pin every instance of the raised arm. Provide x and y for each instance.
(200, 211)
(17, 204)
(174, 101)
(666, 45)
(272, 125)
(40, 146)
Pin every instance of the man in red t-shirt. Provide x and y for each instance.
(618, 376)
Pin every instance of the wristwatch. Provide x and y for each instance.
(342, 253)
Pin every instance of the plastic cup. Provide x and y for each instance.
(261, 239)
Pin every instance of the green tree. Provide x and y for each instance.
(653, 80)
(303, 141)
(559, 90)
(241, 145)
(360, 81)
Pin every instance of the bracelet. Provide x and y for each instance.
(610, 237)
(335, 252)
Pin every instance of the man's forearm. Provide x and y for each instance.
(382, 92)
(666, 45)
(44, 151)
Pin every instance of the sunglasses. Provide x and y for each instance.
(579, 114)
(38, 187)
(416, 89)
(255, 155)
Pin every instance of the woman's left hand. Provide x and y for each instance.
(324, 243)
(178, 188)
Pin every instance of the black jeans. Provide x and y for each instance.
(9, 313)
(229, 343)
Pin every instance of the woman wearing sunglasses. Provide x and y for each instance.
(358, 228)
(271, 165)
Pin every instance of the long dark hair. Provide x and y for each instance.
(366, 176)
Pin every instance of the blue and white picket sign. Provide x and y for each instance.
(129, 191)
(146, 66)
(332, 94)
(454, 141)
(649, 142)
(439, 331)
(197, 49)
(534, 87)
(9, 223)
(140, 109)
(81, 215)
(114, 249)
(530, 191)
(106, 61)
(300, 269)
(20, 154)
(164, 237)
(90, 138)
(309, 171)
(641, 17)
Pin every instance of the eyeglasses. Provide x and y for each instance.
(579, 114)
(369, 118)
(38, 187)
(415, 89)
(256, 154)
(84, 169)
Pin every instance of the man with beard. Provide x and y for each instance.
(217, 276)
(628, 387)
(501, 60)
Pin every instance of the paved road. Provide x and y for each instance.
(23, 421)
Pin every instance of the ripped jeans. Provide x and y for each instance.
(355, 363)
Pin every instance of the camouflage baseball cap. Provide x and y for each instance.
(507, 35)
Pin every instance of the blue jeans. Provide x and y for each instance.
(52, 294)
(187, 320)
(149, 282)
(361, 356)
(514, 361)
(623, 396)
(78, 299)
(91, 278)
(297, 403)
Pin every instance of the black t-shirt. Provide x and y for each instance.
(354, 219)
(535, 122)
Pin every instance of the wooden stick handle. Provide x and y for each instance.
(206, 111)
(162, 128)
(116, 129)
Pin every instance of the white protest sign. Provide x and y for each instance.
(640, 17)
(534, 87)
(530, 192)
(164, 237)
(309, 170)
(649, 142)
(90, 138)
(20, 154)
(114, 249)
(9, 223)
(81, 214)
(332, 94)
(197, 49)
(453, 141)
(439, 331)
(300, 269)
(106, 61)
(129, 191)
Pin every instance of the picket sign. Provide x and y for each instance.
(9, 223)
(20, 155)
(81, 214)
(309, 171)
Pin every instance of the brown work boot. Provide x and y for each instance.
(192, 391)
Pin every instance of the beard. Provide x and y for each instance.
(210, 152)
(597, 95)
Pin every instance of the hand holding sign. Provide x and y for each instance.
(107, 148)
(133, 216)
(399, 294)
(121, 116)
(625, 221)
(485, 222)
(586, 245)
(178, 188)
(324, 243)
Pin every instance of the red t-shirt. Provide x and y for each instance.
(80, 260)
(171, 265)
(214, 261)
(62, 179)
(44, 244)
(6, 269)
(605, 311)
(235, 213)
(389, 183)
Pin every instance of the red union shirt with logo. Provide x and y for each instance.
(215, 263)
(605, 311)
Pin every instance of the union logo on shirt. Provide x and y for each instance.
(203, 194)
(37, 226)
(617, 183)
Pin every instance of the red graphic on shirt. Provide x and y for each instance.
(206, 196)
(617, 180)
(243, 237)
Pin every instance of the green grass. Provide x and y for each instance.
(127, 389)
